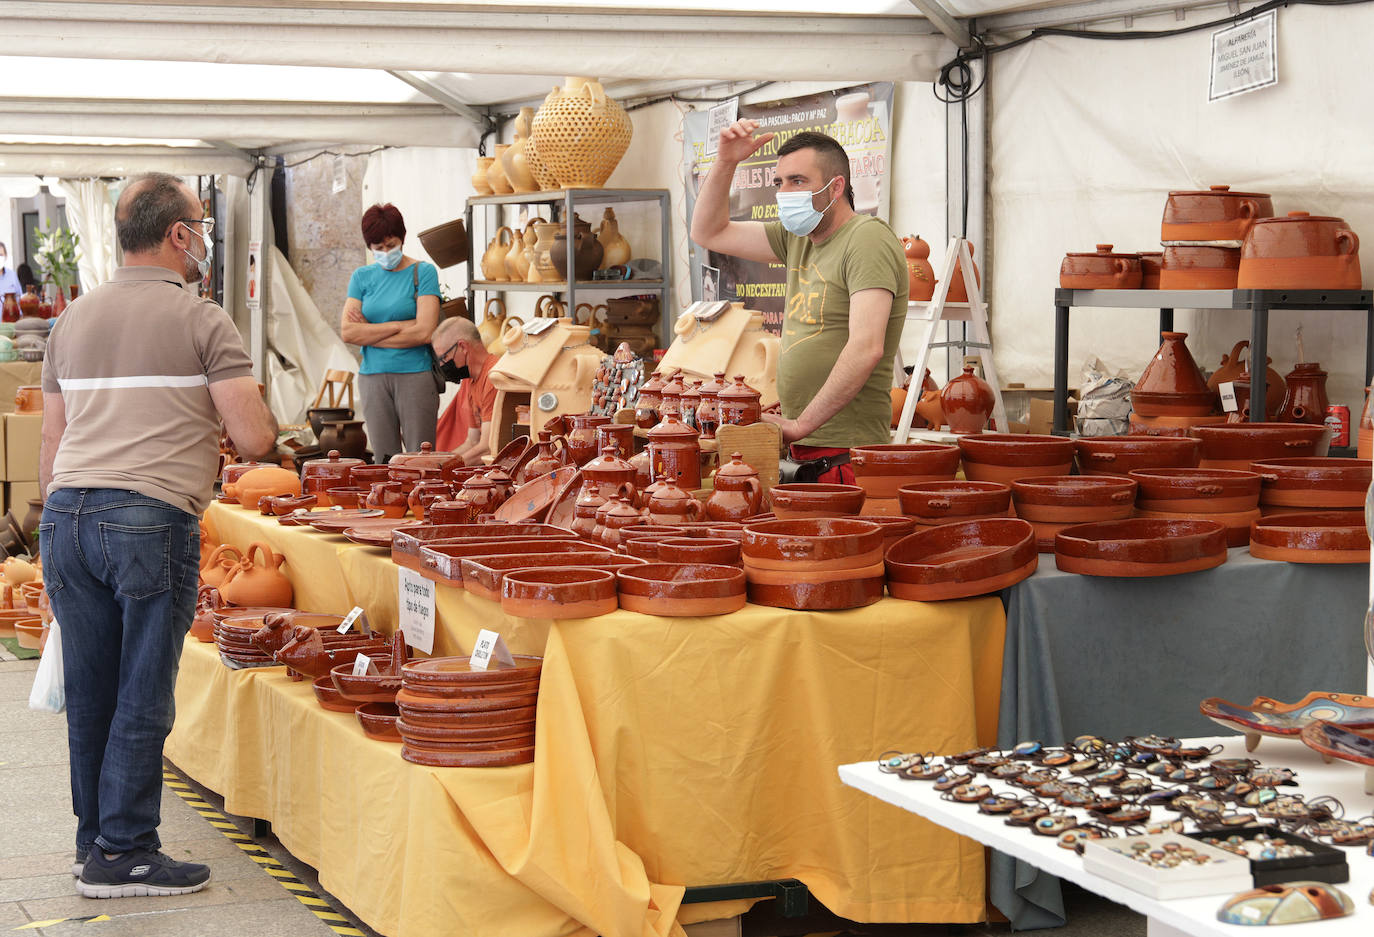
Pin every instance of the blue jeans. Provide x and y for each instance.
(121, 572)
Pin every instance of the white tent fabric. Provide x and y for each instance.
(90, 213)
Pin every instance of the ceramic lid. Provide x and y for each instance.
(671, 492)
(693, 391)
(332, 465)
(653, 385)
(425, 458)
(1299, 216)
(737, 468)
(1224, 191)
(675, 386)
(622, 508)
(715, 385)
(1105, 250)
(672, 428)
(479, 481)
(608, 461)
(739, 390)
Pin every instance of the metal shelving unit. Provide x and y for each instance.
(1258, 302)
(564, 203)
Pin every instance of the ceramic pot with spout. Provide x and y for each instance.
(257, 584)
(587, 251)
(552, 454)
(671, 505)
(738, 492)
(480, 495)
(514, 162)
(216, 567)
(615, 249)
(1305, 400)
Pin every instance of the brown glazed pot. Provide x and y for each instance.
(391, 498)
(319, 475)
(883, 469)
(1300, 251)
(1217, 214)
(739, 404)
(1005, 457)
(1196, 490)
(1199, 268)
(329, 696)
(1304, 398)
(365, 476)
(1236, 523)
(558, 593)
(673, 505)
(1237, 445)
(795, 501)
(1172, 384)
(1318, 537)
(949, 502)
(675, 452)
(1151, 263)
(1102, 270)
(708, 410)
(670, 397)
(1313, 483)
(958, 560)
(737, 491)
(347, 497)
(347, 436)
(1064, 499)
(620, 436)
(812, 544)
(646, 405)
(895, 527)
(1118, 455)
(1140, 547)
(967, 402)
(681, 589)
(582, 438)
(483, 574)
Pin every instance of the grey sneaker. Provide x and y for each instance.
(139, 872)
(80, 862)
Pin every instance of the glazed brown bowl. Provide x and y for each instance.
(707, 551)
(1005, 457)
(1118, 455)
(516, 720)
(895, 526)
(1315, 537)
(932, 503)
(830, 594)
(1238, 445)
(443, 560)
(483, 574)
(1313, 483)
(365, 688)
(1064, 499)
(495, 758)
(461, 708)
(379, 721)
(330, 697)
(347, 497)
(1217, 214)
(1199, 267)
(961, 559)
(422, 731)
(686, 590)
(558, 592)
(1101, 270)
(1140, 547)
(881, 470)
(1198, 490)
(365, 476)
(797, 501)
(812, 544)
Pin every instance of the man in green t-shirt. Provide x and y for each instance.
(846, 290)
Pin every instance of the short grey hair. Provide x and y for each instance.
(149, 205)
(451, 331)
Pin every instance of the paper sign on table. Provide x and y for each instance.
(362, 664)
(1227, 389)
(489, 645)
(351, 618)
(415, 609)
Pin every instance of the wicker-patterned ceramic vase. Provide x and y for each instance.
(580, 134)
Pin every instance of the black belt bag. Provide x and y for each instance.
(792, 471)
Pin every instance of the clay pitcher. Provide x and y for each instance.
(494, 260)
(253, 584)
(589, 498)
(582, 445)
(967, 402)
(513, 258)
(552, 454)
(529, 240)
(738, 492)
(492, 325)
(217, 566)
(545, 232)
(1230, 366)
(614, 248)
(920, 274)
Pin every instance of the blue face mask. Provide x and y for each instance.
(796, 212)
(388, 260)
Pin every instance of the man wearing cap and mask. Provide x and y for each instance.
(9, 280)
(465, 426)
(846, 292)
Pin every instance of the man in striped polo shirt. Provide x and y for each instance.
(139, 373)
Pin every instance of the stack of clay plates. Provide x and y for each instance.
(457, 717)
(236, 648)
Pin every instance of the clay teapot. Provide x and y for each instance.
(203, 624)
(207, 544)
(589, 498)
(216, 567)
(494, 258)
(708, 410)
(958, 292)
(253, 584)
(620, 515)
(479, 495)
(967, 402)
(614, 248)
(675, 453)
(250, 487)
(1305, 398)
(1230, 366)
(425, 493)
(920, 274)
(671, 505)
(738, 492)
(505, 485)
(739, 404)
(391, 498)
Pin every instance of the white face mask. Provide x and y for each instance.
(388, 260)
(796, 212)
(202, 263)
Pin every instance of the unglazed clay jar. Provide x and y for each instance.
(1237, 445)
(1118, 455)
(558, 593)
(1198, 490)
(248, 583)
(1300, 251)
(1005, 457)
(232, 472)
(961, 559)
(881, 470)
(1140, 547)
(1102, 270)
(948, 502)
(1313, 483)
(1217, 214)
(1198, 267)
(967, 402)
(815, 500)
(1172, 384)
(687, 589)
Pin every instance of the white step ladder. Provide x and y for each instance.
(929, 315)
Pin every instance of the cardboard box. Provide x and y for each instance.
(18, 495)
(23, 436)
(1041, 419)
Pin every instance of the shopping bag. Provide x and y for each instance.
(48, 693)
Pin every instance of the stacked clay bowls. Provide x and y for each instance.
(1227, 496)
(1005, 457)
(1309, 484)
(559, 592)
(454, 716)
(1054, 502)
(933, 503)
(1118, 455)
(957, 560)
(795, 501)
(1300, 252)
(1140, 547)
(1317, 537)
(681, 589)
(813, 564)
(1237, 445)
(881, 470)
(1102, 270)
(484, 575)
(894, 528)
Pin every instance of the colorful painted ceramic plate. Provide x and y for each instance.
(532, 500)
(1287, 720)
(1348, 743)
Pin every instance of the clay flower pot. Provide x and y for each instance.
(1197, 267)
(687, 589)
(447, 243)
(962, 559)
(1172, 384)
(948, 502)
(1313, 483)
(1118, 455)
(1217, 214)
(558, 593)
(1300, 251)
(1005, 457)
(815, 500)
(1237, 445)
(883, 469)
(1102, 270)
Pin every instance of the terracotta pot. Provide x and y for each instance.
(329, 696)
(670, 396)
(675, 452)
(319, 475)
(967, 402)
(739, 404)
(253, 485)
(1313, 483)
(947, 502)
(1151, 264)
(713, 551)
(493, 262)
(962, 559)
(447, 243)
(958, 291)
(646, 406)
(737, 493)
(1217, 214)
(391, 498)
(1172, 384)
(347, 436)
(232, 472)
(426, 493)
(671, 505)
(249, 583)
(796, 501)
(1196, 490)
(1118, 455)
(1300, 251)
(920, 273)
(1063, 499)
(609, 472)
(1005, 457)
(1199, 268)
(1102, 270)
(1274, 392)
(688, 589)
(558, 593)
(1140, 547)
(1237, 445)
(480, 496)
(483, 575)
(1317, 537)
(812, 544)
(618, 435)
(1305, 398)
(347, 497)
(582, 438)
(688, 404)
(578, 135)
(1167, 425)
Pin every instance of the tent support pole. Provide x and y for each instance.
(260, 230)
(966, 167)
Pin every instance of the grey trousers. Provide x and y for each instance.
(401, 411)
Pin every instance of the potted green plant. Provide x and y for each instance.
(55, 252)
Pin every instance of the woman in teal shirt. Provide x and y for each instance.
(391, 311)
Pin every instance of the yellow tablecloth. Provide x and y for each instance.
(671, 752)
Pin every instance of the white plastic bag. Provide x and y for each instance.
(48, 693)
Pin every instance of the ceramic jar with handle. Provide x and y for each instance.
(1298, 252)
(619, 515)
(675, 453)
(1217, 214)
(582, 438)
(738, 492)
(739, 404)
(319, 475)
(587, 251)
(671, 505)
(216, 567)
(1102, 270)
(552, 454)
(496, 173)
(494, 258)
(610, 472)
(689, 402)
(1305, 400)
(257, 584)
(479, 495)
(620, 436)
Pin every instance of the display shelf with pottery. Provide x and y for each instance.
(1276, 719)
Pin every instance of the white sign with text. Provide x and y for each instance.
(489, 645)
(415, 609)
(717, 119)
(1245, 57)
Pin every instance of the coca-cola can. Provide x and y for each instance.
(1338, 418)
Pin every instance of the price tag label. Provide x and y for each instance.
(415, 609)
(362, 664)
(489, 646)
(1228, 396)
(351, 618)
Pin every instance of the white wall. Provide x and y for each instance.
(1088, 137)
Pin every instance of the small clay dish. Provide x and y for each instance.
(1005, 457)
(559, 592)
(482, 575)
(280, 505)
(366, 688)
(420, 700)
(1313, 483)
(681, 590)
(442, 562)
(1118, 455)
(957, 560)
(792, 502)
(330, 698)
(710, 551)
(1066, 499)
(932, 503)
(1238, 445)
(881, 470)
(379, 721)
(1140, 547)
(816, 544)
(1316, 537)
(1196, 491)
(440, 719)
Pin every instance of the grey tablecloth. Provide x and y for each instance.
(1116, 657)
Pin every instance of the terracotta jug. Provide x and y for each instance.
(671, 505)
(675, 453)
(253, 584)
(1305, 400)
(514, 162)
(426, 493)
(528, 242)
(480, 185)
(549, 307)
(708, 410)
(1230, 366)
(217, 566)
(615, 249)
(920, 274)
(552, 454)
(581, 438)
(492, 326)
(619, 436)
(545, 232)
(496, 175)
(738, 492)
(958, 292)
(967, 402)
(515, 257)
(739, 404)
(494, 259)
(480, 495)
(11, 310)
(586, 251)
(579, 135)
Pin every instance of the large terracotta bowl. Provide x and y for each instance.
(558, 592)
(791, 502)
(456, 709)
(1237, 445)
(1118, 455)
(961, 559)
(1073, 499)
(1140, 547)
(1198, 490)
(458, 671)
(1313, 482)
(815, 544)
(1005, 457)
(681, 589)
(832, 592)
(708, 551)
(1317, 537)
(483, 575)
(932, 503)
(1300, 251)
(881, 470)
